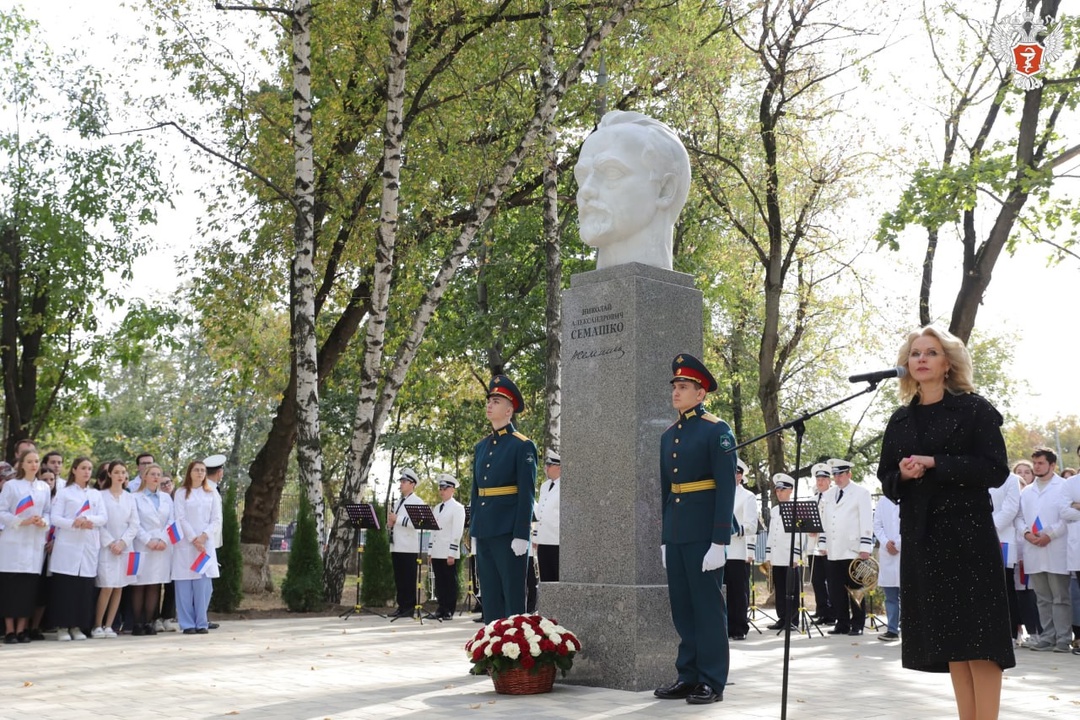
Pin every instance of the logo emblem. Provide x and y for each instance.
(726, 442)
(1014, 41)
(679, 360)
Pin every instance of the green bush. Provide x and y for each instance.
(302, 588)
(229, 588)
(378, 581)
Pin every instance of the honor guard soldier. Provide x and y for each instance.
(697, 487)
(504, 480)
(546, 528)
(404, 544)
(446, 546)
(848, 518)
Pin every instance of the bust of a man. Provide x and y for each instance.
(633, 177)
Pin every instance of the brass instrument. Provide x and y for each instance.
(865, 573)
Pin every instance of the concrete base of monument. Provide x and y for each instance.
(627, 637)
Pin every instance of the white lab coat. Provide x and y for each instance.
(218, 538)
(196, 514)
(405, 537)
(1070, 493)
(122, 525)
(1006, 500)
(1043, 503)
(76, 550)
(546, 510)
(886, 528)
(22, 545)
(849, 523)
(745, 510)
(446, 541)
(155, 566)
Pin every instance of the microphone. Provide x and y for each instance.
(873, 377)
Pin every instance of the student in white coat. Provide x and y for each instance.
(445, 546)
(116, 561)
(1070, 513)
(77, 513)
(1006, 501)
(785, 566)
(887, 532)
(154, 547)
(198, 513)
(740, 555)
(25, 503)
(545, 534)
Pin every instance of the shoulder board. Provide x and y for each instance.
(519, 436)
(709, 417)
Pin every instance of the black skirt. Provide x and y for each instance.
(19, 595)
(72, 601)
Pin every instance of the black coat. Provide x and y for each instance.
(952, 577)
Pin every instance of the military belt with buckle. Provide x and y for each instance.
(696, 486)
(503, 490)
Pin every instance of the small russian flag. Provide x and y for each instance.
(1036, 527)
(133, 563)
(200, 562)
(174, 533)
(25, 504)
(85, 508)
(51, 535)
(1005, 553)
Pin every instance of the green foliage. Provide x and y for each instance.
(229, 587)
(377, 586)
(302, 588)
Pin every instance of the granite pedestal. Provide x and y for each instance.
(621, 328)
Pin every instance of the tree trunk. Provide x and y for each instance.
(552, 249)
(371, 415)
(309, 455)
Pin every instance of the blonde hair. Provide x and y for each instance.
(958, 379)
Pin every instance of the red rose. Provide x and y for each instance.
(496, 647)
(561, 649)
(527, 661)
(546, 645)
(478, 654)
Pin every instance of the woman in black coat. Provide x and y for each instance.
(941, 453)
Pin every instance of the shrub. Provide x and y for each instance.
(229, 587)
(302, 588)
(378, 579)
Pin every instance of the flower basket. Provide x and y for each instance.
(521, 653)
(519, 681)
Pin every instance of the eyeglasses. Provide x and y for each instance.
(916, 354)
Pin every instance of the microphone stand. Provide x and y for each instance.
(799, 426)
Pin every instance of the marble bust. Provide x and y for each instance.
(633, 177)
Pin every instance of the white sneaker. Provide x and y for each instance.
(171, 625)
(97, 632)
(159, 626)
(108, 632)
(62, 635)
(76, 634)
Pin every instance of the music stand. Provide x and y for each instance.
(800, 517)
(361, 517)
(422, 519)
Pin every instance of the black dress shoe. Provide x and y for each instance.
(36, 634)
(855, 632)
(738, 637)
(202, 631)
(677, 690)
(887, 636)
(839, 631)
(138, 630)
(703, 695)
(189, 631)
(148, 629)
(775, 626)
(23, 637)
(11, 639)
(213, 626)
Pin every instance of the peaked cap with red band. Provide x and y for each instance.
(688, 367)
(504, 387)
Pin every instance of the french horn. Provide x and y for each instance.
(865, 573)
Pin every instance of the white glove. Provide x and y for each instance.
(663, 556)
(715, 558)
(519, 546)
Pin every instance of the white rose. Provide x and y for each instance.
(529, 633)
(546, 625)
(487, 651)
(534, 649)
(555, 638)
(572, 645)
(511, 650)
(510, 631)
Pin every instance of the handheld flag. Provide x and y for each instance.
(133, 563)
(200, 562)
(51, 535)
(85, 508)
(1005, 553)
(25, 504)
(174, 533)
(1037, 526)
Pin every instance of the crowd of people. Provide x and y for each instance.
(97, 552)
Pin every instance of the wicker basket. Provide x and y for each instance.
(519, 681)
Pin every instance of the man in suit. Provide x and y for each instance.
(697, 488)
(504, 480)
(848, 519)
(446, 546)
